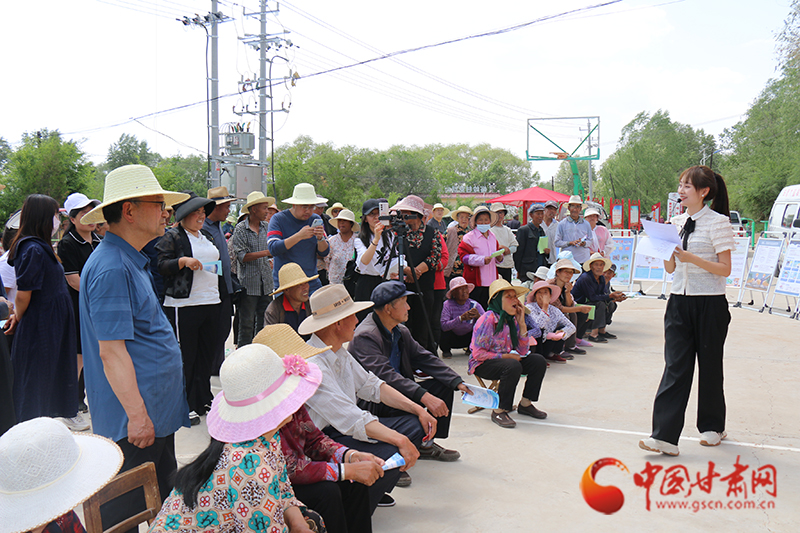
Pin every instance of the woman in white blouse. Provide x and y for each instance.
(373, 248)
(697, 317)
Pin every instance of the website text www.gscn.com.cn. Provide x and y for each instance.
(712, 505)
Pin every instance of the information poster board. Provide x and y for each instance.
(616, 215)
(789, 279)
(765, 260)
(646, 268)
(622, 256)
(738, 262)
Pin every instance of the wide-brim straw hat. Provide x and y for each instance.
(336, 205)
(411, 203)
(500, 285)
(575, 199)
(193, 204)
(330, 304)
(565, 263)
(129, 182)
(478, 211)
(587, 266)
(283, 340)
(304, 194)
(555, 290)
(440, 206)
(290, 275)
(257, 197)
(259, 391)
(461, 209)
(346, 214)
(220, 195)
(457, 282)
(46, 471)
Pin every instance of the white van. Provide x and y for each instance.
(784, 215)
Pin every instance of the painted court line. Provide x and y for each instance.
(639, 434)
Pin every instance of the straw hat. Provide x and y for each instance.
(458, 282)
(283, 340)
(45, 471)
(257, 197)
(126, 183)
(575, 199)
(78, 200)
(259, 391)
(291, 275)
(336, 205)
(565, 263)
(587, 266)
(346, 214)
(478, 211)
(193, 204)
(440, 206)
(500, 285)
(304, 194)
(542, 272)
(461, 209)
(498, 206)
(411, 203)
(330, 304)
(219, 195)
(555, 290)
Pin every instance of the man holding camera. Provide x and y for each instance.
(296, 235)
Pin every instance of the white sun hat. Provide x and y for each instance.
(330, 304)
(346, 214)
(304, 194)
(126, 183)
(46, 471)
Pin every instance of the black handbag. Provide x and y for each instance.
(351, 275)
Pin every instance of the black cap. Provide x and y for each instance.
(369, 206)
(193, 204)
(388, 291)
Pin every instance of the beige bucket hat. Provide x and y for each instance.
(440, 206)
(575, 199)
(129, 182)
(219, 195)
(304, 194)
(461, 209)
(478, 211)
(257, 197)
(283, 340)
(336, 205)
(330, 304)
(498, 206)
(291, 275)
(587, 266)
(346, 214)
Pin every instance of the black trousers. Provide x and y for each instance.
(480, 295)
(8, 417)
(197, 330)
(508, 371)
(251, 316)
(224, 323)
(505, 273)
(434, 387)
(610, 308)
(344, 506)
(421, 329)
(408, 425)
(436, 319)
(695, 327)
(363, 293)
(162, 454)
(547, 347)
(450, 340)
(570, 341)
(599, 321)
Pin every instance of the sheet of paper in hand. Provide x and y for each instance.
(488, 399)
(395, 461)
(660, 241)
(215, 267)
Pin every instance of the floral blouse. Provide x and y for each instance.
(415, 239)
(456, 266)
(550, 321)
(486, 344)
(248, 491)
(341, 252)
(311, 456)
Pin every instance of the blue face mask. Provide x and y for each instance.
(483, 228)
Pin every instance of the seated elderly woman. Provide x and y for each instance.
(565, 270)
(554, 325)
(500, 345)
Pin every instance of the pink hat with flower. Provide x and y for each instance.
(259, 391)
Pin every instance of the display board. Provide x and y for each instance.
(738, 262)
(789, 279)
(646, 268)
(765, 261)
(622, 256)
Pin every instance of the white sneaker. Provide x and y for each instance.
(659, 446)
(712, 438)
(76, 423)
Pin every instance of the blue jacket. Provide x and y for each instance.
(587, 289)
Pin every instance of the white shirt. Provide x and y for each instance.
(9, 277)
(505, 237)
(377, 265)
(343, 381)
(712, 235)
(550, 231)
(205, 285)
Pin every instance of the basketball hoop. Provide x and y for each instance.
(560, 155)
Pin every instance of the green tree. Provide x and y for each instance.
(653, 150)
(183, 173)
(130, 151)
(44, 164)
(564, 178)
(5, 154)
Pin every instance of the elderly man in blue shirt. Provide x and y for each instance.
(132, 361)
(574, 233)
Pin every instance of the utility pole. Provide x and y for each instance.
(262, 84)
(589, 129)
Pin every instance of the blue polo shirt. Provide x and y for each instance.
(282, 226)
(118, 302)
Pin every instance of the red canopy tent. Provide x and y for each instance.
(526, 197)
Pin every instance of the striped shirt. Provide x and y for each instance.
(712, 235)
(255, 276)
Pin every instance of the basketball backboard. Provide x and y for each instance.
(563, 138)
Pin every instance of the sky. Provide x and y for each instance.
(87, 67)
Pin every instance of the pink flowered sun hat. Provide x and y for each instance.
(259, 391)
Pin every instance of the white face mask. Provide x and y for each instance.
(56, 225)
(483, 228)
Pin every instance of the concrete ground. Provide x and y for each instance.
(599, 406)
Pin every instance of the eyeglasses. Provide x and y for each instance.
(162, 203)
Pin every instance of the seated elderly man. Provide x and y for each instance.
(612, 305)
(291, 307)
(333, 407)
(385, 347)
(590, 289)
